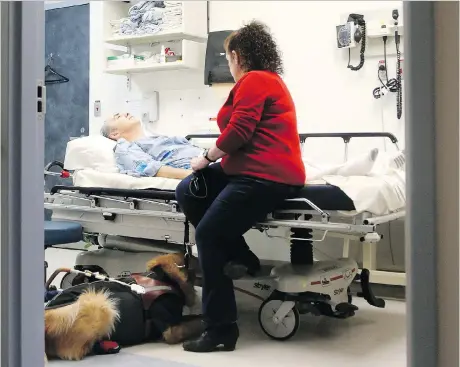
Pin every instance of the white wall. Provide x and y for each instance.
(328, 96)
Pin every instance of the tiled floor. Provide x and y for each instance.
(374, 337)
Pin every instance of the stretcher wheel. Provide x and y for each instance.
(286, 328)
(71, 280)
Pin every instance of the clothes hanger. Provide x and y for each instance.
(49, 70)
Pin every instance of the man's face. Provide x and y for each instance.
(119, 123)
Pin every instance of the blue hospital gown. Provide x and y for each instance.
(144, 157)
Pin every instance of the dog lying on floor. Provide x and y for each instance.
(85, 314)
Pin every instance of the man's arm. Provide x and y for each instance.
(133, 161)
(171, 172)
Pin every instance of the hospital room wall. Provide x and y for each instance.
(328, 96)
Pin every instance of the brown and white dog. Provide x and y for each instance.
(72, 330)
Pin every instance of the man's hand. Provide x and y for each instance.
(198, 163)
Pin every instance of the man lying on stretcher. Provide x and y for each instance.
(140, 155)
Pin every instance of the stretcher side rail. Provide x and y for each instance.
(357, 227)
(304, 136)
(169, 199)
(345, 228)
(167, 196)
(124, 193)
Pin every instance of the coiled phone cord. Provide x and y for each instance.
(361, 52)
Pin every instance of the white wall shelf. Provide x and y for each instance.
(193, 55)
(187, 39)
(151, 38)
(147, 68)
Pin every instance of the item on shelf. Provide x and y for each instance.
(149, 17)
(173, 58)
(124, 60)
(162, 55)
(169, 52)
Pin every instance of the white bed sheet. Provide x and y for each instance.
(93, 178)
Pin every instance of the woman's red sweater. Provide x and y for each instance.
(259, 133)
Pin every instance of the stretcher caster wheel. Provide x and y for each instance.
(71, 280)
(282, 329)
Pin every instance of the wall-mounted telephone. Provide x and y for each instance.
(350, 35)
(359, 36)
(395, 84)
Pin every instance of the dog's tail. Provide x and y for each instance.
(94, 313)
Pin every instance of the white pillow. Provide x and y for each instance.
(94, 152)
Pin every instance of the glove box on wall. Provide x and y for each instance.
(216, 68)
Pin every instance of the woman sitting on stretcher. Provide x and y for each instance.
(261, 167)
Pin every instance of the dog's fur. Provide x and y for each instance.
(71, 331)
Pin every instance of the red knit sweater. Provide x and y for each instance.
(258, 128)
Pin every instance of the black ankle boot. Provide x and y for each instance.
(249, 264)
(222, 338)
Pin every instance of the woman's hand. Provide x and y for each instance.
(198, 163)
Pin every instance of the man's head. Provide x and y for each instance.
(121, 125)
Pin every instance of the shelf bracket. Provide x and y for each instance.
(128, 82)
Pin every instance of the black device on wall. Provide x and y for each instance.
(216, 68)
(359, 35)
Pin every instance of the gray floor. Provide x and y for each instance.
(120, 360)
(374, 337)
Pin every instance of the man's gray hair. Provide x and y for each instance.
(105, 130)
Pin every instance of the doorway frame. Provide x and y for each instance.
(22, 26)
(432, 145)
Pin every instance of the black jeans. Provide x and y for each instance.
(222, 209)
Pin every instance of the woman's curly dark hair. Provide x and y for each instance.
(255, 47)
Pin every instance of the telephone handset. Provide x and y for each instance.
(359, 36)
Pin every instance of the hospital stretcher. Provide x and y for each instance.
(129, 226)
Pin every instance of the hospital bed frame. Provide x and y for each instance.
(111, 218)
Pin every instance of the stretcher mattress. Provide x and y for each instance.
(327, 197)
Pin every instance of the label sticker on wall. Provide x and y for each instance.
(97, 108)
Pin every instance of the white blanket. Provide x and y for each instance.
(93, 178)
(375, 182)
